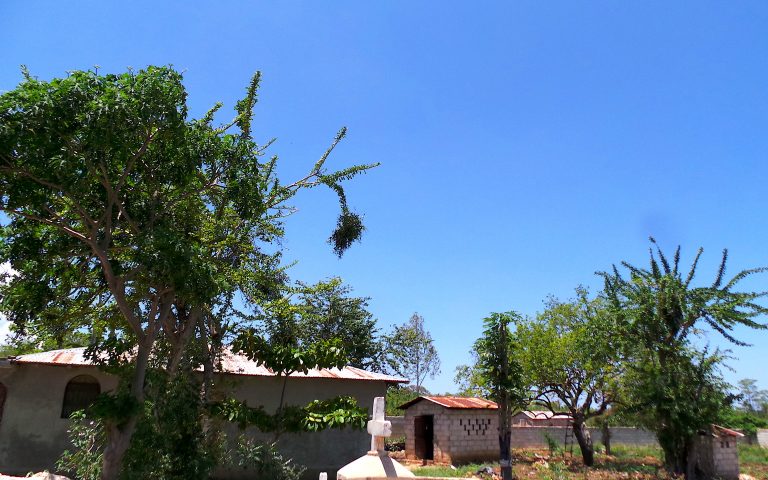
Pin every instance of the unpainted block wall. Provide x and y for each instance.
(472, 435)
(762, 438)
(714, 458)
(726, 458)
(536, 437)
(459, 435)
(398, 426)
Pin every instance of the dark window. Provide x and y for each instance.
(80, 393)
(3, 394)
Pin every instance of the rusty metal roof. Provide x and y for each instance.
(68, 356)
(231, 363)
(721, 432)
(455, 403)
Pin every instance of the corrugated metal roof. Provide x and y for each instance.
(230, 363)
(544, 414)
(455, 402)
(720, 432)
(69, 356)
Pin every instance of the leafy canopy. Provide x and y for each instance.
(570, 353)
(142, 228)
(674, 387)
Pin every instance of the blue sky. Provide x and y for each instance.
(524, 145)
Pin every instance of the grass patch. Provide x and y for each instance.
(446, 470)
(636, 451)
(753, 454)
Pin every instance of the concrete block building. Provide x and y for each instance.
(715, 454)
(38, 392)
(451, 429)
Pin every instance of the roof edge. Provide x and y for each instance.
(491, 406)
(51, 360)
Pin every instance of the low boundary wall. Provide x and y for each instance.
(762, 437)
(536, 437)
(398, 426)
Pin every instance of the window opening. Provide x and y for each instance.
(80, 393)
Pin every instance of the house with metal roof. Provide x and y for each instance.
(714, 454)
(39, 391)
(451, 429)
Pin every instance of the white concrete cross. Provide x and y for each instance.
(378, 427)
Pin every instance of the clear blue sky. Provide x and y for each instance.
(524, 145)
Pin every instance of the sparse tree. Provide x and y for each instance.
(409, 352)
(752, 398)
(572, 357)
(469, 379)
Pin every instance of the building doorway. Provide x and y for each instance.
(424, 434)
(3, 394)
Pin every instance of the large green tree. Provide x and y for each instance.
(135, 222)
(308, 314)
(673, 386)
(571, 356)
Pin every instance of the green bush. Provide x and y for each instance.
(265, 461)
(553, 445)
(87, 437)
(753, 454)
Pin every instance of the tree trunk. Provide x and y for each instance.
(606, 431)
(505, 444)
(585, 442)
(505, 438)
(676, 463)
(675, 453)
(118, 441)
(505, 417)
(119, 435)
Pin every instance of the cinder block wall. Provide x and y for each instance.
(398, 426)
(762, 438)
(464, 435)
(725, 456)
(459, 435)
(536, 437)
(714, 457)
(440, 440)
(627, 436)
(473, 435)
